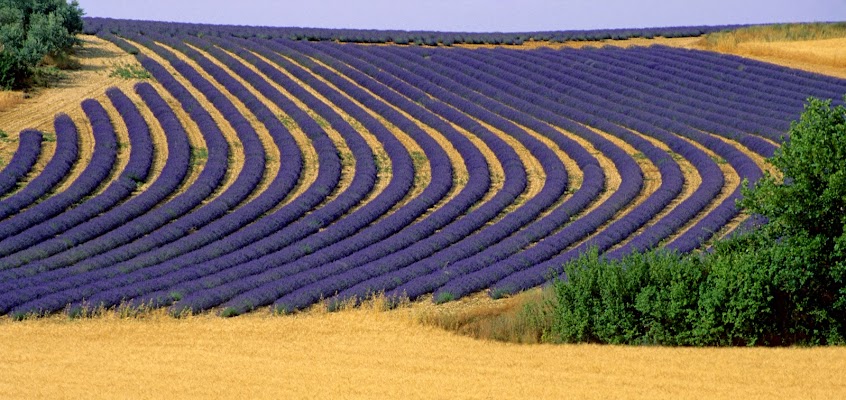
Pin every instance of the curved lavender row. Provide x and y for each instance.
(711, 186)
(592, 185)
(787, 82)
(340, 275)
(397, 189)
(29, 148)
(634, 68)
(135, 172)
(20, 286)
(78, 287)
(632, 179)
(672, 182)
(425, 284)
(477, 186)
(208, 274)
(173, 238)
(553, 188)
(739, 90)
(67, 153)
(716, 219)
(558, 85)
(709, 114)
(97, 170)
(471, 244)
(741, 163)
(174, 171)
(786, 97)
(731, 93)
(691, 239)
(207, 182)
(533, 275)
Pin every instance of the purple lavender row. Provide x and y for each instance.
(29, 148)
(671, 186)
(173, 239)
(739, 90)
(95, 25)
(484, 242)
(328, 175)
(472, 243)
(717, 118)
(228, 268)
(67, 153)
(534, 275)
(478, 184)
(134, 173)
(742, 164)
(24, 263)
(785, 96)
(683, 212)
(20, 285)
(396, 190)
(791, 82)
(564, 82)
(202, 276)
(626, 65)
(632, 179)
(214, 170)
(97, 170)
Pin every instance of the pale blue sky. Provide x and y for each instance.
(472, 15)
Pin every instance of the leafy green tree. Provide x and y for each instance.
(806, 208)
(31, 30)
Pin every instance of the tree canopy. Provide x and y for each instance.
(30, 30)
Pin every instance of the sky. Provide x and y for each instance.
(471, 15)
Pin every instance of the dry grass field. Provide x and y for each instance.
(368, 353)
(364, 353)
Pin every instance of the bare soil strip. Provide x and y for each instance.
(423, 173)
(731, 182)
(460, 173)
(236, 150)
(692, 181)
(195, 136)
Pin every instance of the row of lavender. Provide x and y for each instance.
(429, 38)
(200, 249)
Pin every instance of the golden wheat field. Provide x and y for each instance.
(366, 352)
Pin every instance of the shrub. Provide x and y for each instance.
(780, 285)
(32, 31)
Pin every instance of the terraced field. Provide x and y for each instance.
(259, 171)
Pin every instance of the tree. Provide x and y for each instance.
(806, 208)
(31, 30)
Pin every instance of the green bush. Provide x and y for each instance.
(32, 31)
(783, 284)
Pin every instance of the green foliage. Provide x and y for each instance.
(32, 30)
(130, 71)
(642, 299)
(812, 198)
(199, 155)
(783, 284)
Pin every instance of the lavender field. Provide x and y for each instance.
(322, 219)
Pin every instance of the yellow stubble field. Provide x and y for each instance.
(365, 353)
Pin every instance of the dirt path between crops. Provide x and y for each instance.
(369, 354)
